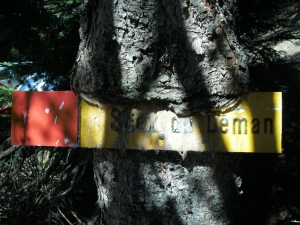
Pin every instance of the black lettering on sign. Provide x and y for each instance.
(179, 125)
(240, 125)
(268, 121)
(175, 125)
(223, 125)
(151, 121)
(116, 115)
(129, 123)
(255, 126)
(209, 129)
(140, 123)
(188, 125)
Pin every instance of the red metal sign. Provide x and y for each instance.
(46, 118)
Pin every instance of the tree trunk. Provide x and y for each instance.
(160, 188)
(156, 188)
(182, 53)
(185, 56)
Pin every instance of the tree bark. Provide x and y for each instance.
(184, 55)
(137, 187)
(159, 188)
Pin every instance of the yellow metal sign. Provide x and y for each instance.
(252, 126)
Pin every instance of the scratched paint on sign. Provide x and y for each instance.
(252, 126)
(46, 118)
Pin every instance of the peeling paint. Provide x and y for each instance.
(66, 140)
(183, 154)
(273, 108)
(240, 110)
(38, 121)
(25, 116)
(61, 105)
(147, 127)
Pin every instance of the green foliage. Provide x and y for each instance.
(43, 32)
(5, 96)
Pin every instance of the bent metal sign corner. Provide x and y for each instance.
(54, 119)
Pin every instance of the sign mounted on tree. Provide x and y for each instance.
(252, 126)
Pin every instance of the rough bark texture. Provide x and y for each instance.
(185, 55)
(182, 53)
(149, 188)
(158, 188)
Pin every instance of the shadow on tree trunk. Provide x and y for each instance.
(136, 187)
